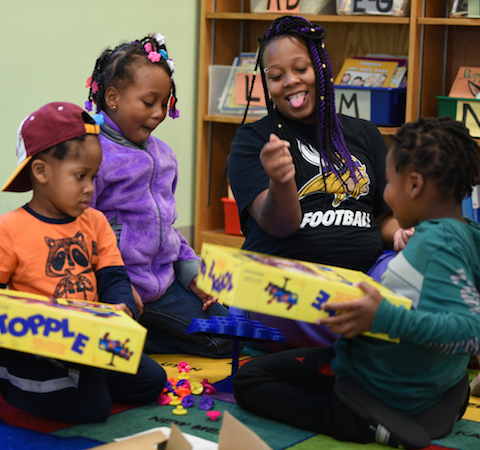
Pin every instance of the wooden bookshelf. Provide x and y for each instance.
(435, 44)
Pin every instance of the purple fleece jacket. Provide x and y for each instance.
(135, 189)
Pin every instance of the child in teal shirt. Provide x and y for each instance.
(431, 166)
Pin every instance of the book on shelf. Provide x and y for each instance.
(471, 204)
(399, 75)
(467, 207)
(476, 202)
(366, 72)
(458, 8)
(467, 83)
(237, 87)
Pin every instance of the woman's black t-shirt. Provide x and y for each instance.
(338, 227)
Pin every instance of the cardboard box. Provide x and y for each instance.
(382, 106)
(94, 334)
(306, 6)
(367, 7)
(234, 435)
(282, 287)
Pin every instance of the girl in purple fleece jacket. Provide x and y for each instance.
(132, 87)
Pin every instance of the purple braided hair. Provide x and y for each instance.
(328, 128)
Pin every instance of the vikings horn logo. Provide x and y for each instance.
(342, 188)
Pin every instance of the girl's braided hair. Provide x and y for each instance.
(440, 149)
(328, 128)
(117, 68)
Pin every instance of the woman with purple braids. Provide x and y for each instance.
(308, 183)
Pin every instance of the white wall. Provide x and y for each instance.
(48, 50)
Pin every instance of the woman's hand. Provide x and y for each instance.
(356, 316)
(393, 236)
(277, 160)
(401, 237)
(277, 209)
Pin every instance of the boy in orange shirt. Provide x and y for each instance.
(59, 247)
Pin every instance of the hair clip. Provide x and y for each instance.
(160, 39)
(171, 113)
(98, 118)
(154, 57)
(266, 70)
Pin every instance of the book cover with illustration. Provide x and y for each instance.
(399, 76)
(235, 93)
(366, 72)
(467, 83)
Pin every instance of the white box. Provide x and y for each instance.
(378, 7)
(306, 6)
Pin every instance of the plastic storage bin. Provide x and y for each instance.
(232, 220)
(382, 106)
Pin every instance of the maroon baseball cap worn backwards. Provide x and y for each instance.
(49, 126)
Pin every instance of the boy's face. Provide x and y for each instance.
(143, 105)
(397, 194)
(69, 182)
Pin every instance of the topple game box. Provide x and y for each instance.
(79, 331)
(282, 287)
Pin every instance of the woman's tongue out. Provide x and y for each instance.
(297, 100)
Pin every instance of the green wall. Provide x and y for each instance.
(48, 50)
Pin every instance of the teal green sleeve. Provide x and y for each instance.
(451, 332)
(447, 315)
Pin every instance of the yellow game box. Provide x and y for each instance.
(79, 331)
(282, 287)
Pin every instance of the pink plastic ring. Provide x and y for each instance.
(183, 366)
(209, 389)
(184, 383)
(164, 399)
(214, 415)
